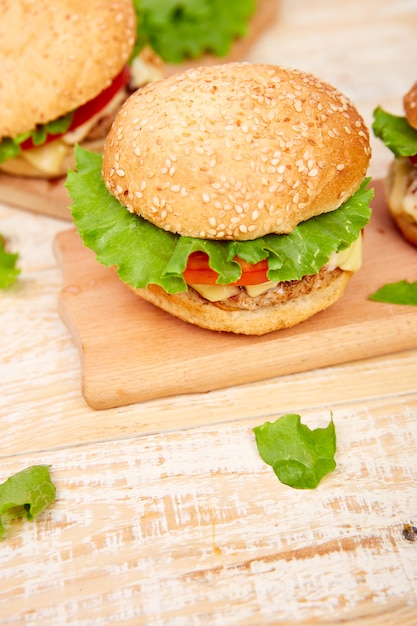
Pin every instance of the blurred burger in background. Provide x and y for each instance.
(399, 133)
(65, 69)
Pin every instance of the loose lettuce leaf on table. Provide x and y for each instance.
(144, 254)
(27, 493)
(395, 132)
(300, 457)
(8, 270)
(401, 292)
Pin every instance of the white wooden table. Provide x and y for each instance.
(165, 513)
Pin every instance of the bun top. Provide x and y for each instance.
(55, 56)
(235, 151)
(410, 106)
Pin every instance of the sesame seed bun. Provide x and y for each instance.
(235, 151)
(55, 56)
(410, 106)
(310, 299)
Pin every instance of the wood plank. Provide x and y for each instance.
(132, 351)
(47, 197)
(194, 528)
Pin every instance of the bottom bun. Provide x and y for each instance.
(407, 227)
(401, 194)
(192, 308)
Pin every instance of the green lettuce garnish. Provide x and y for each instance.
(8, 270)
(299, 456)
(27, 493)
(401, 292)
(11, 147)
(395, 132)
(144, 254)
(181, 29)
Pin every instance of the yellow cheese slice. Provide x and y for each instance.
(214, 293)
(48, 158)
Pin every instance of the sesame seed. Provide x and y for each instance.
(206, 197)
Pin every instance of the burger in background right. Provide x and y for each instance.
(399, 133)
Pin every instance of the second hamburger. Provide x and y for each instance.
(231, 196)
(399, 133)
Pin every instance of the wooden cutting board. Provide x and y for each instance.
(131, 351)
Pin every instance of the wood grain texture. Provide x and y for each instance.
(132, 351)
(165, 514)
(204, 533)
(47, 197)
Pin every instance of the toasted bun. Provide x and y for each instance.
(192, 308)
(410, 106)
(235, 151)
(401, 196)
(55, 56)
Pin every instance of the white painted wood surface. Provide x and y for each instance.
(165, 513)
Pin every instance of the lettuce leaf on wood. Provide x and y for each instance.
(144, 254)
(401, 292)
(8, 270)
(26, 493)
(299, 456)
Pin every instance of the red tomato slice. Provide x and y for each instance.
(90, 108)
(198, 271)
(413, 159)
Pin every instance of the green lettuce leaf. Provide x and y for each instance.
(11, 147)
(27, 493)
(8, 270)
(401, 292)
(300, 457)
(181, 29)
(395, 132)
(144, 254)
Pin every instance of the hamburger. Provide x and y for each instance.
(399, 133)
(65, 69)
(231, 196)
